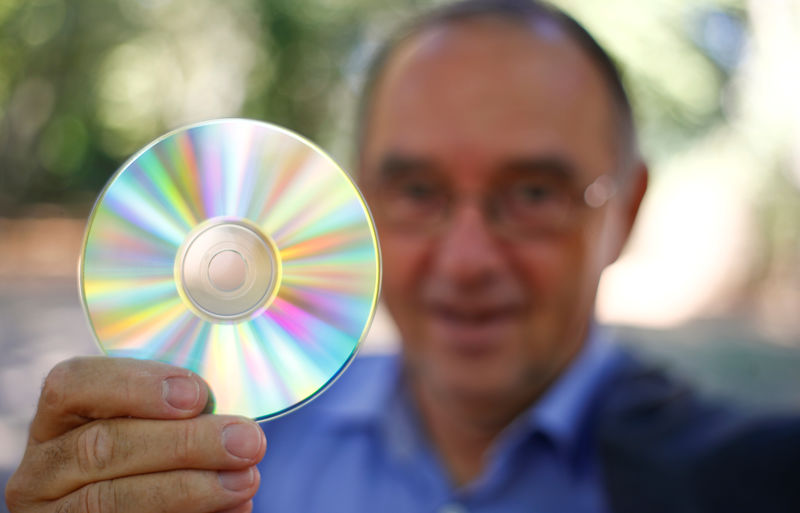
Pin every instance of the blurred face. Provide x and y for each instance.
(473, 131)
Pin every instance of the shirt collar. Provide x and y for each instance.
(361, 395)
(561, 412)
(370, 394)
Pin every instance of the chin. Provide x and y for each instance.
(473, 377)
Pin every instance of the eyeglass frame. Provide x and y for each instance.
(593, 196)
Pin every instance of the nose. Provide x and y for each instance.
(468, 254)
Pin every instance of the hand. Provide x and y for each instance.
(116, 435)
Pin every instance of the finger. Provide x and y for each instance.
(115, 448)
(247, 507)
(184, 491)
(83, 389)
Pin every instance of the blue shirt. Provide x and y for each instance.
(359, 448)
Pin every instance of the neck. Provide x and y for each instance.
(461, 435)
(462, 427)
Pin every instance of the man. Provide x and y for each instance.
(499, 157)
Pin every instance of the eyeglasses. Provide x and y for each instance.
(524, 205)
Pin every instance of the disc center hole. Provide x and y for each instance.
(227, 270)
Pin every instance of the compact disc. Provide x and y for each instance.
(239, 250)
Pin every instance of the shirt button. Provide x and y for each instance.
(453, 508)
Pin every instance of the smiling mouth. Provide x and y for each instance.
(471, 312)
(472, 332)
(469, 316)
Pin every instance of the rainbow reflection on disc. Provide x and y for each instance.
(239, 250)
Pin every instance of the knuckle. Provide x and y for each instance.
(95, 447)
(177, 491)
(38, 465)
(15, 490)
(65, 506)
(183, 485)
(54, 384)
(186, 438)
(51, 458)
(56, 387)
(100, 497)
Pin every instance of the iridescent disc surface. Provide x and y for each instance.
(238, 250)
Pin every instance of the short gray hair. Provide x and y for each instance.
(531, 12)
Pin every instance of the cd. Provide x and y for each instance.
(239, 250)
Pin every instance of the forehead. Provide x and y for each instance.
(487, 89)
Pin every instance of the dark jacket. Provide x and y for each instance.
(665, 450)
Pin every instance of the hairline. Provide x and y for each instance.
(533, 13)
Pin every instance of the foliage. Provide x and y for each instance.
(84, 83)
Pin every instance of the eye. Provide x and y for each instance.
(414, 199)
(532, 193)
(417, 190)
(535, 200)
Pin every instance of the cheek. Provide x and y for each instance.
(545, 266)
(403, 271)
(557, 275)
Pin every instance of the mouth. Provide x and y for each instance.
(471, 315)
(472, 330)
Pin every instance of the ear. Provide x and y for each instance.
(630, 200)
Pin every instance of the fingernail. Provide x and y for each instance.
(181, 392)
(242, 440)
(237, 480)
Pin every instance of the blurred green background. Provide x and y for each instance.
(715, 258)
(84, 84)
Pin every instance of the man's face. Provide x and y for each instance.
(466, 109)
